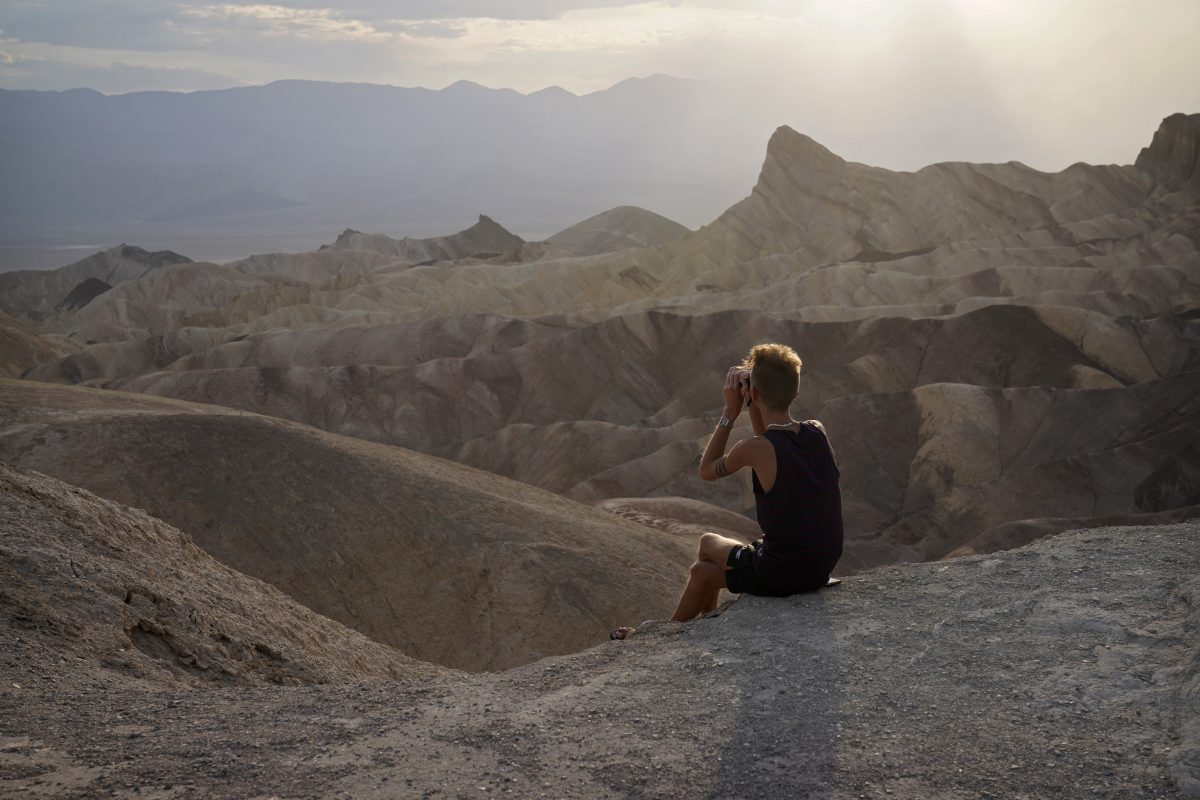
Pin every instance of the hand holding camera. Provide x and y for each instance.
(736, 390)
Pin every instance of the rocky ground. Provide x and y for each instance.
(1067, 668)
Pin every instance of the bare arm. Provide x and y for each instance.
(753, 452)
(714, 463)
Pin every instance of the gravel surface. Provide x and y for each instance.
(1068, 668)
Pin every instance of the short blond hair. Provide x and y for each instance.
(775, 372)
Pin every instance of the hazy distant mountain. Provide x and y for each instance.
(485, 239)
(298, 154)
(617, 229)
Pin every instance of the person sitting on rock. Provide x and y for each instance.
(796, 492)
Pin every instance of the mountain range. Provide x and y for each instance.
(299, 156)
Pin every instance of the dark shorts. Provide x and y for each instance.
(743, 578)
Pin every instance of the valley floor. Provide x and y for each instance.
(1067, 668)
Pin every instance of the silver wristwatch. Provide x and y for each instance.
(725, 422)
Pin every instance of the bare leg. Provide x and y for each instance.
(704, 583)
(715, 548)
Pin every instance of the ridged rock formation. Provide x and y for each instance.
(22, 348)
(811, 204)
(918, 409)
(1173, 157)
(35, 293)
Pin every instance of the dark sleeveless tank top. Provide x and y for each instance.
(801, 517)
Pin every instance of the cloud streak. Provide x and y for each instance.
(302, 23)
(107, 76)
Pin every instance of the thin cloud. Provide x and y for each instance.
(114, 77)
(376, 10)
(644, 25)
(279, 20)
(186, 24)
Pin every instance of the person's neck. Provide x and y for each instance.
(772, 417)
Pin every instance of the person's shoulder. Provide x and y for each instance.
(758, 441)
(752, 452)
(815, 427)
(756, 449)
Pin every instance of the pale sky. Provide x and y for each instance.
(897, 83)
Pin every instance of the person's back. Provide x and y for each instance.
(801, 516)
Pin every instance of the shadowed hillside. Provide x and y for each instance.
(102, 594)
(38, 292)
(441, 561)
(22, 347)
